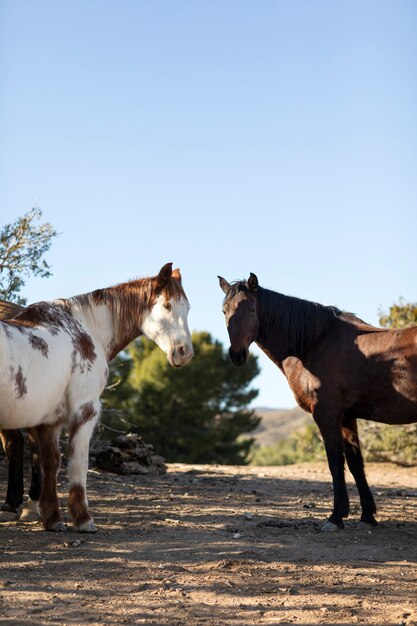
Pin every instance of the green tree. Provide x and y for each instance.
(117, 398)
(197, 414)
(22, 246)
(304, 445)
(400, 315)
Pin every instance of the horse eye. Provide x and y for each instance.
(167, 306)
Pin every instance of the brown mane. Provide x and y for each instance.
(128, 302)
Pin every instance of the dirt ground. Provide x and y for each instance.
(217, 545)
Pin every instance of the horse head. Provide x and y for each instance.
(241, 315)
(165, 322)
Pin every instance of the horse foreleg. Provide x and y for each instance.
(30, 511)
(81, 428)
(333, 442)
(13, 443)
(48, 439)
(356, 466)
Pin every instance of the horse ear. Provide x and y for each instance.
(223, 284)
(176, 274)
(165, 274)
(252, 282)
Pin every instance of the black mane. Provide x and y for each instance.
(297, 322)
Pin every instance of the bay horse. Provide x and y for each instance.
(54, 366)
(13, 445)
(339, 369)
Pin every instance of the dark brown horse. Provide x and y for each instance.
(339, 368)
(13, 445)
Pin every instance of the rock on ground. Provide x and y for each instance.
(129, 454)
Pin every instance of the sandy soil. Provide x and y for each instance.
(211, 545)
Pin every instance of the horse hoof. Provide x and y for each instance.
(366, 526)
(30, 512)
(86, 527)
(8, 516)
(329, 527)
(57, 527)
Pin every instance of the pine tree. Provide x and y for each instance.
(197, 414)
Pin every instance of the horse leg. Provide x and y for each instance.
(50, 460)
(31, 512)
(356, 465)
(81, 428)
(333, 442)
(13, 443)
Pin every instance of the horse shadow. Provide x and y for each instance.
(168, 543)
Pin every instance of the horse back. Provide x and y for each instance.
(388, 362)
(363, 372)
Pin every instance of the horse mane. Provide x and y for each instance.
(127, 302)
(131, 298)
(298, 322)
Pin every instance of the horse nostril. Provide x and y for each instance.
(179, 353)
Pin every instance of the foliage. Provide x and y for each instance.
(196, 414)
(305, 445)
(400, 315)
(116, 398)
(22, 246)
(383, 442)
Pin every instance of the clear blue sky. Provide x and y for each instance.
(227, 136)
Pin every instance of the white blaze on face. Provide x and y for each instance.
(166, 324)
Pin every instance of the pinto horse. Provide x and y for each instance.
(13, 444)
(54, 365)
(339, 368)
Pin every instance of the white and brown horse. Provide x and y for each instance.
(54, 365)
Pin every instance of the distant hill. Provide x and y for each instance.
(278, 424)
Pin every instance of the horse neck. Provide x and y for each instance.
(288, 326)
(114, 315)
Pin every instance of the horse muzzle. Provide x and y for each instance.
(180, 356)
(240, 357)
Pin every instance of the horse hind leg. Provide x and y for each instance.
(31, 510)
(356, 466)
(81, 428)
(13, 443)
